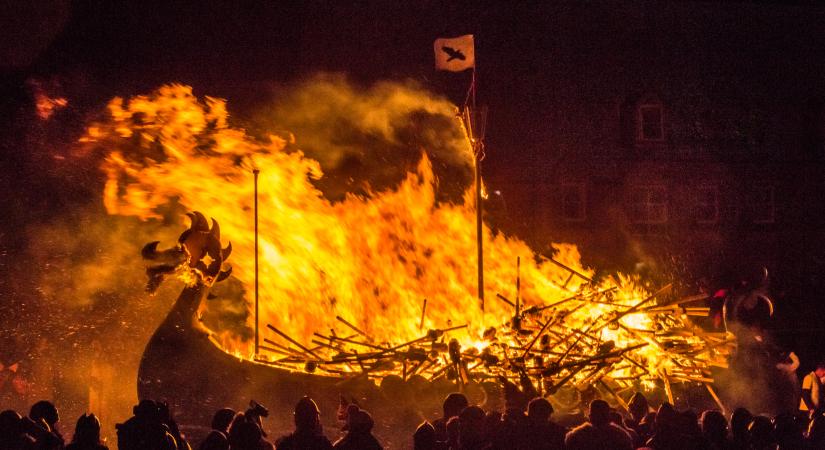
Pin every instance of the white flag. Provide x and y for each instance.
(455, 54)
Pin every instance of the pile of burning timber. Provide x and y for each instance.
(653, 341)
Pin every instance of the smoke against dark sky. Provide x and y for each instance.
(367, 137)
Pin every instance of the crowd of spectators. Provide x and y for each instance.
(463, 426)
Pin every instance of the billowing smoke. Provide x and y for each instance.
(370, 137)
(92, 316)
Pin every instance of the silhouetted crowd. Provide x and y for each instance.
(462, 427)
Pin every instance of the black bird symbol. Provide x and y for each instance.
(454, 54)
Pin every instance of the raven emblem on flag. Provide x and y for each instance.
(453, 53)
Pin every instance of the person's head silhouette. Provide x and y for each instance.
(46, 411)
(539, 410)
(454, 404)
(638, 406)
(599, 413)
(222, 419)
(307, 415)
(87, 430)
(244, 435)
(424, 437)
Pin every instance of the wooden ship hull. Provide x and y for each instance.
(184, 367)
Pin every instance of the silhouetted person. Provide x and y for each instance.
(44, 414)
(215, 440)
(493, 428)
(598, 433)
(510, 432)
(359, 431)
(255, 414)
(452, 407)
(639, 409)
(308, 434)
(87, 434)
(787, 432)
(222, 419)
(218, 438)
(453, 433)
(689, 423)
(424, 437)
(245, 433)
(471, 434)
(715, 430)
(12, 433)
(760, 433)
(673, 430)
(816, 433)
(145, 430)
(617, 419)
(166, 418)
(813, 392)
(540, 433)
(739, 421)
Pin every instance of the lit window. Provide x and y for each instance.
(573, 202)
(707, 204)
(648, 204)
(764, 206)
(651, 126)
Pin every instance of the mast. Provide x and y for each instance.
(474, 122)
(457, 55)
(255, 173)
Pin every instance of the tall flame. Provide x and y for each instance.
(370, 259)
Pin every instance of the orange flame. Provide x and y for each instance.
(369, 259)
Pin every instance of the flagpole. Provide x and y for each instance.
(457, 55)
(479, 207)
(255, 172)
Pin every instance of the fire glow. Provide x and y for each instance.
(374, 261)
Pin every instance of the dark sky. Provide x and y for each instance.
(524, 53)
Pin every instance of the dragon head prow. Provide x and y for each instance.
(197, 257)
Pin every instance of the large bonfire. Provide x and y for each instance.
(385, 283)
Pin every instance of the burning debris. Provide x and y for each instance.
(380, 286)
(542, 347)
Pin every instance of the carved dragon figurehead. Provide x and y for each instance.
(198, 254)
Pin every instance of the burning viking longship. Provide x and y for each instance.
(371, 297)
(183, 364)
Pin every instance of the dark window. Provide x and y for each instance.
(573, 202)
(764, 206)
(707, 204)
(648, 204)
(651, 127)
